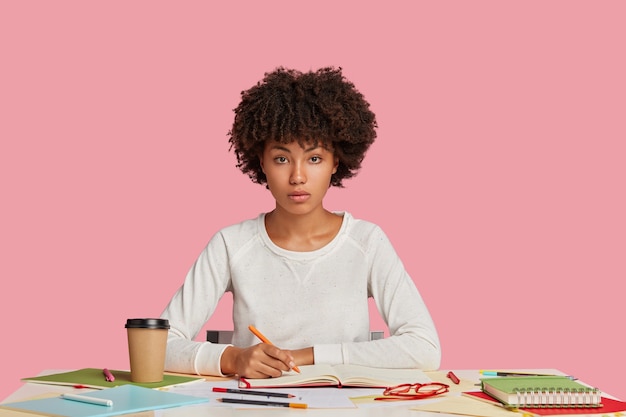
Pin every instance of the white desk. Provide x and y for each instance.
(396, 409)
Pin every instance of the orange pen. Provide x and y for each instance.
(266, 340)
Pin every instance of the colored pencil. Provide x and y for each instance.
(265, 403)
(252, 392)
(266, 340)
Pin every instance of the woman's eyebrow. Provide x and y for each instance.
(280, 148)
(283, 148)
(313, 148)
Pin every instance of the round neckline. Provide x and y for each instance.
(297, 254)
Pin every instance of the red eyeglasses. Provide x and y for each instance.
(413, 391)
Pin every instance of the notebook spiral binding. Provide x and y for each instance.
(558, 398)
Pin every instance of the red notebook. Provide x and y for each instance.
(608, 406)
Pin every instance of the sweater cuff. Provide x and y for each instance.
(208, 359)
(328, 354)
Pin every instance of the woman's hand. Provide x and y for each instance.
(258, 361)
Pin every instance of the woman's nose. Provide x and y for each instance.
(297, 175)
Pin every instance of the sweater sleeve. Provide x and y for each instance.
(190, 308)
(413, 341)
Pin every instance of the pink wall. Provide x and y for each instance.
(498, 173)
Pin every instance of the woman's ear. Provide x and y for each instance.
(336, 164)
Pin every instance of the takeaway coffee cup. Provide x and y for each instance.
(147, 339)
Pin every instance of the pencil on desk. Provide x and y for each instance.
(251, 392)
(266, 403)
(266, 340)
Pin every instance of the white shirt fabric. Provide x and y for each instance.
(302, 299)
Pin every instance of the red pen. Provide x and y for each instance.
(453, 377)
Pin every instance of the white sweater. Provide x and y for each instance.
(302, 299)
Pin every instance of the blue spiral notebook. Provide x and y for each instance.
(126, 399)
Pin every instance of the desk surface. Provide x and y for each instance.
(397, 409)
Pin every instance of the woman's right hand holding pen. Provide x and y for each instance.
(263, 360)
(258, 361)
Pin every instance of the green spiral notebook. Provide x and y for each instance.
(541, 392)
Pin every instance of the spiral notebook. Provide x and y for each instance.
(609, 406)
(541, 391)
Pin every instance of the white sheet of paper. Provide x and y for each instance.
(321, 397)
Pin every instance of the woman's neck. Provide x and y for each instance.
(302, 233)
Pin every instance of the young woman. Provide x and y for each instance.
(300, 273)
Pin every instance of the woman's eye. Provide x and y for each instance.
(280, 159)
(316, 159)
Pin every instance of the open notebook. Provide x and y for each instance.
(340, 376)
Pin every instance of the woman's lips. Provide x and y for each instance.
(299, 196)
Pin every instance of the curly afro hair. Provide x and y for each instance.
(287, 105)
